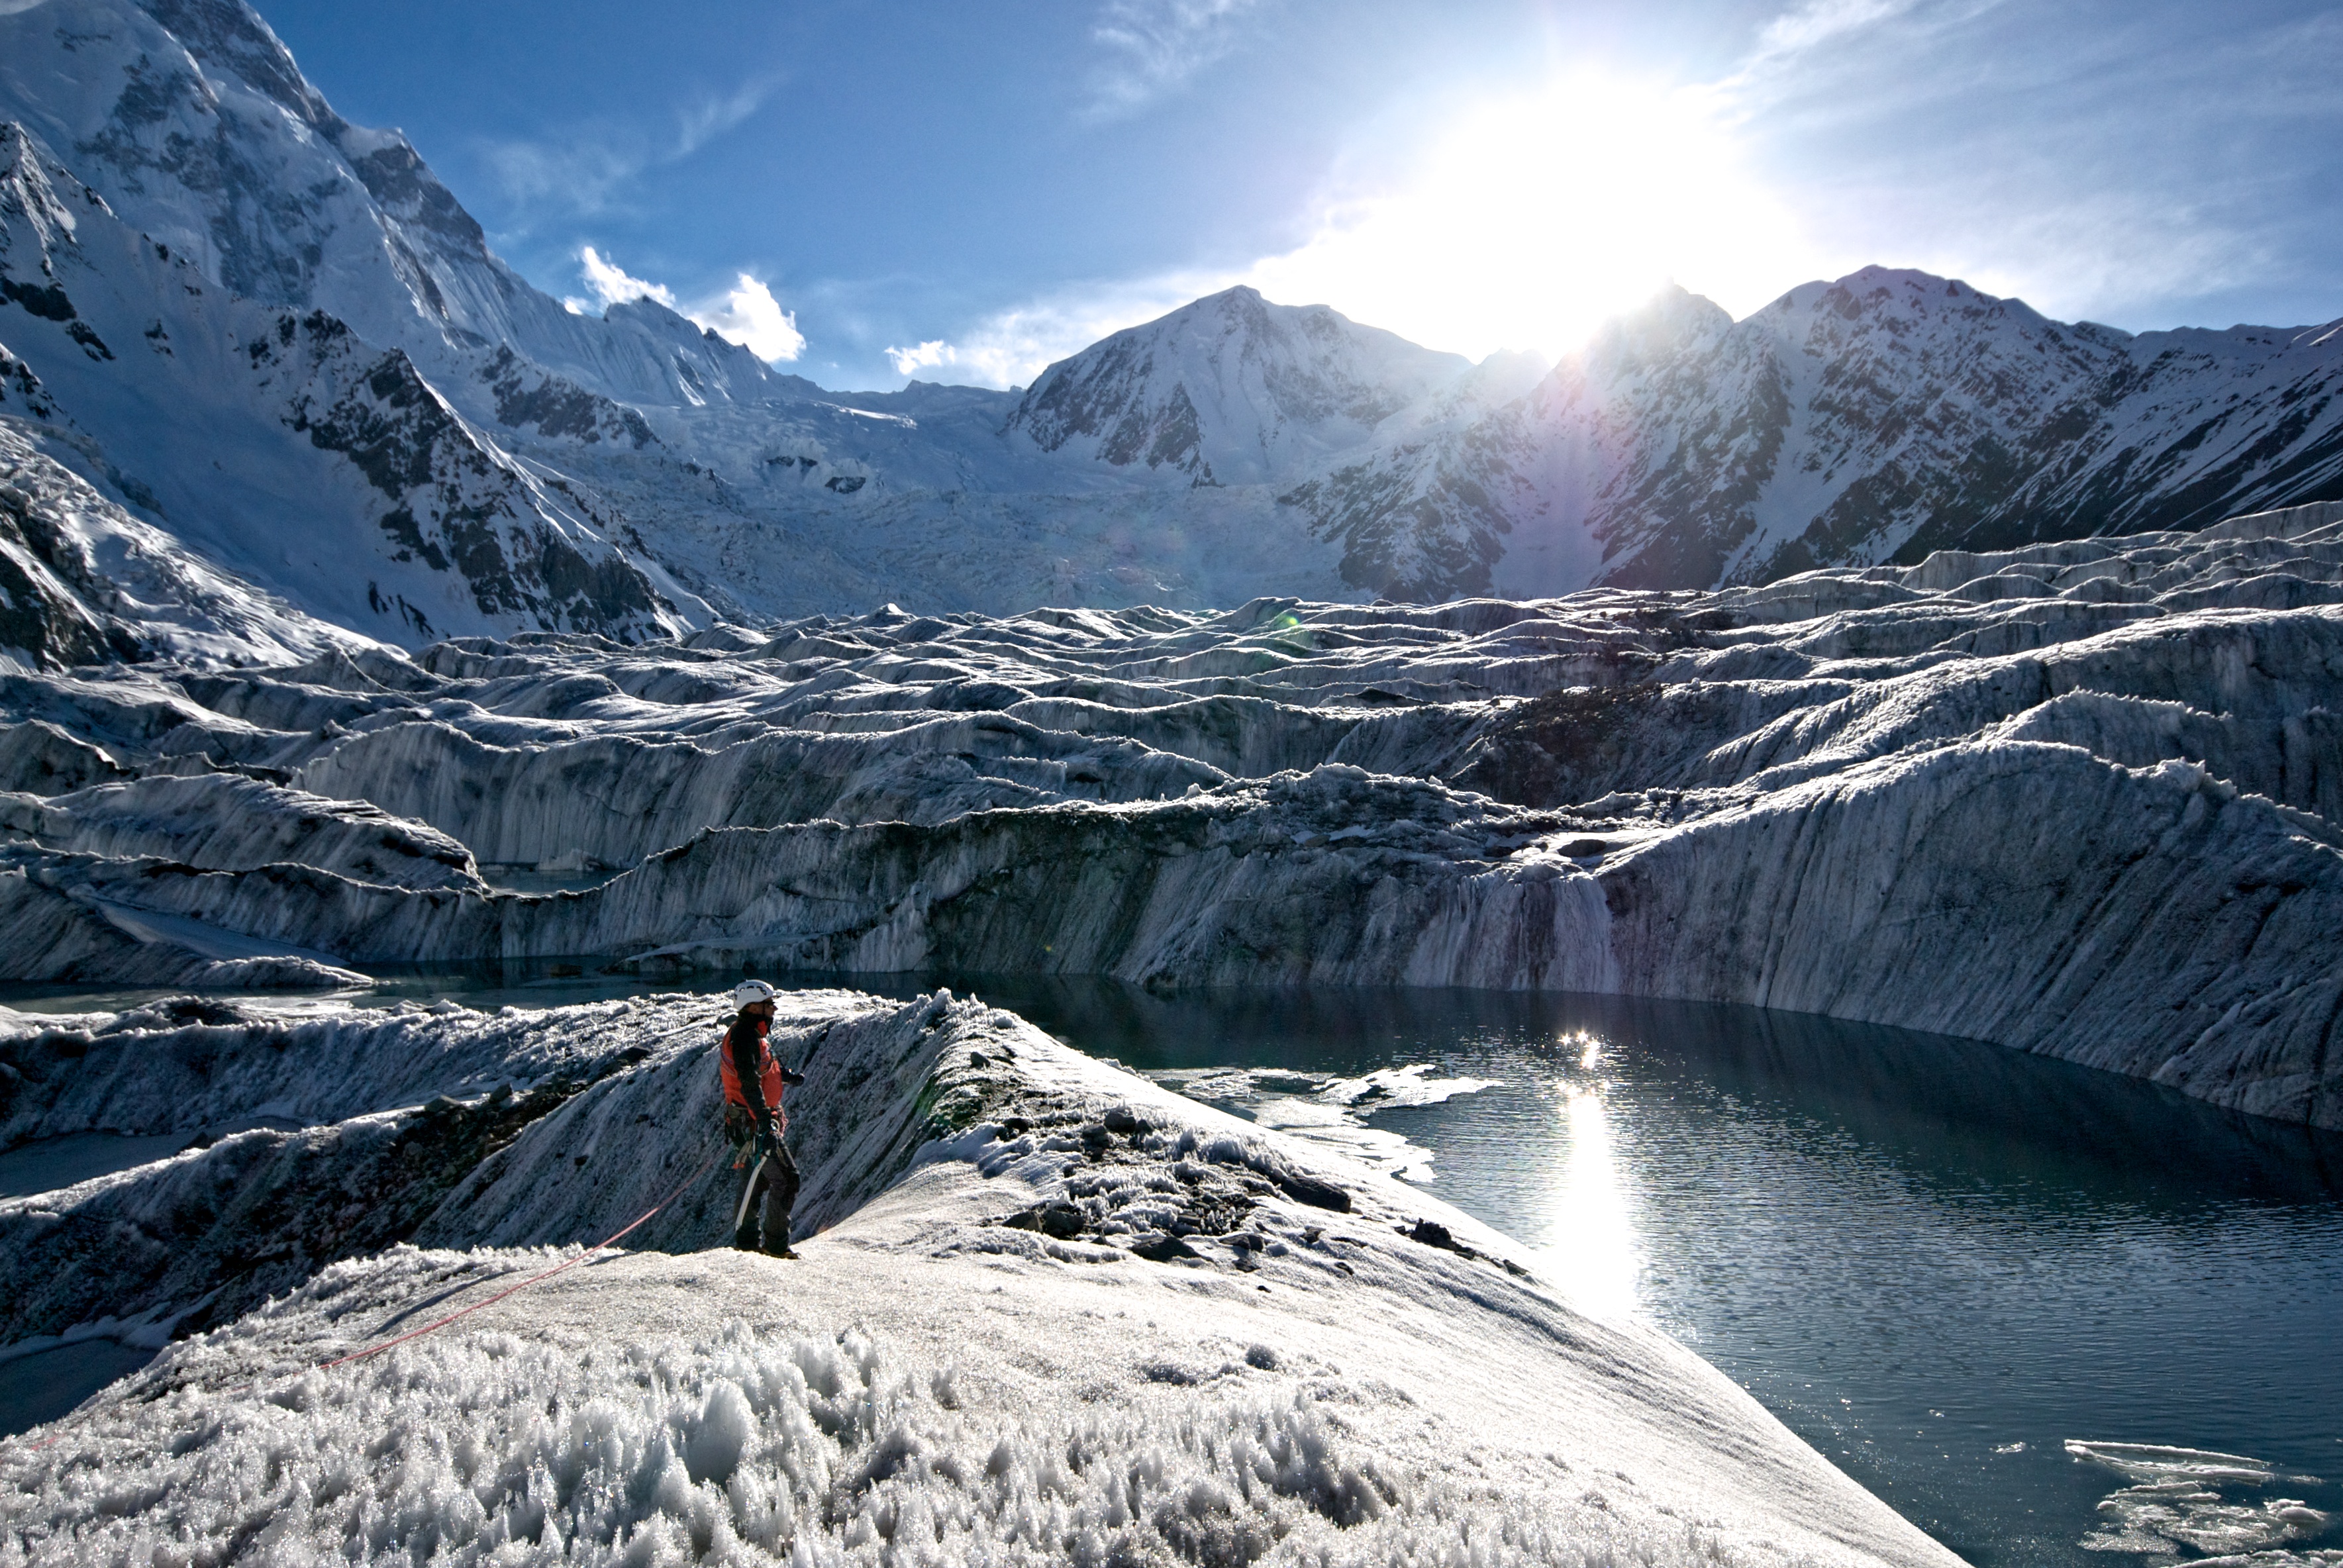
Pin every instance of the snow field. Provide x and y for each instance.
(1055, 1313)
(487, 1447)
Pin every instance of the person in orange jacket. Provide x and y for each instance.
(754, 1120)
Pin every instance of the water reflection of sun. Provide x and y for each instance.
(1591, 1230)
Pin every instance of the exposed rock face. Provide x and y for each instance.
(2081, 798)
(280, 443)
(1877, 418)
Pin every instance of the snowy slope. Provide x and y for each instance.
(1871, 418)
(286, 450)
(86, 580)
(1053, 1312)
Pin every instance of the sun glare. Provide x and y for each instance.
(1597, 1259)
(1534, 220)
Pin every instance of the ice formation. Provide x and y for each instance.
(2079, 799)
(2190, 1500)
(1048, 1311)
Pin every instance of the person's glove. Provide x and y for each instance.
(791, 1079)
(768, 1138)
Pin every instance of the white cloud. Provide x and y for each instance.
(1010, 347)
(613, 287)
(747, 313)
(1154, 46)
(923, 356)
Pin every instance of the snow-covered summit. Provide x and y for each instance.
(1872, 418)
(1230, 389)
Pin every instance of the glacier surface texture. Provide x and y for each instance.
(2079, 799)
(1046, 1312)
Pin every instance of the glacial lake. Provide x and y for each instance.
(1939, 1261)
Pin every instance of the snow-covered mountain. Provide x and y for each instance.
(1868, 419)
(341, 398)
(192, 120)
(1231, 390)
(287, 451)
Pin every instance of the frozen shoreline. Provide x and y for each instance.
(1406, 1399)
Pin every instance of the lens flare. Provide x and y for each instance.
(1534, 220)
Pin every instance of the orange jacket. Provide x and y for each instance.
(752, 1077)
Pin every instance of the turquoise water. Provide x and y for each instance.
(1939, 1261)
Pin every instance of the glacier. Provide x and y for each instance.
(2079, 799)
(1047, 1311)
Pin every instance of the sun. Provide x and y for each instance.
(1531, 220)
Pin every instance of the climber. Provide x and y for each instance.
(754, 1121)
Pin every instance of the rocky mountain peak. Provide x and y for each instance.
(1231, 389)
(36, 187)
(1674, 321)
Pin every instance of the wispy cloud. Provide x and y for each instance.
(587, 170)
(747, 313)
(1154, 46)
(1820, 22)
(1010, 347)
(2113, 162)
(708, 118)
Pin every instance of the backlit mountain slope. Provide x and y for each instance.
(1869, 419)
(1229, 389)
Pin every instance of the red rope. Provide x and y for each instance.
(611, 1240)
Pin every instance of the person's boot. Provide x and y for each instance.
(777, 1242)
(745, 1238)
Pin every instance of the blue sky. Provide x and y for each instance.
(964, 191)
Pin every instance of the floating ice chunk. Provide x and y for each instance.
(2177, 1499)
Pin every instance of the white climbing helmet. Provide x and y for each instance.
(752, 990)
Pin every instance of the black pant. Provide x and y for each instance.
(777, 1181)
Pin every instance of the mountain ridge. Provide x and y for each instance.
(1229, 449)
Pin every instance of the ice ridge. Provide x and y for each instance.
(2079, 799)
